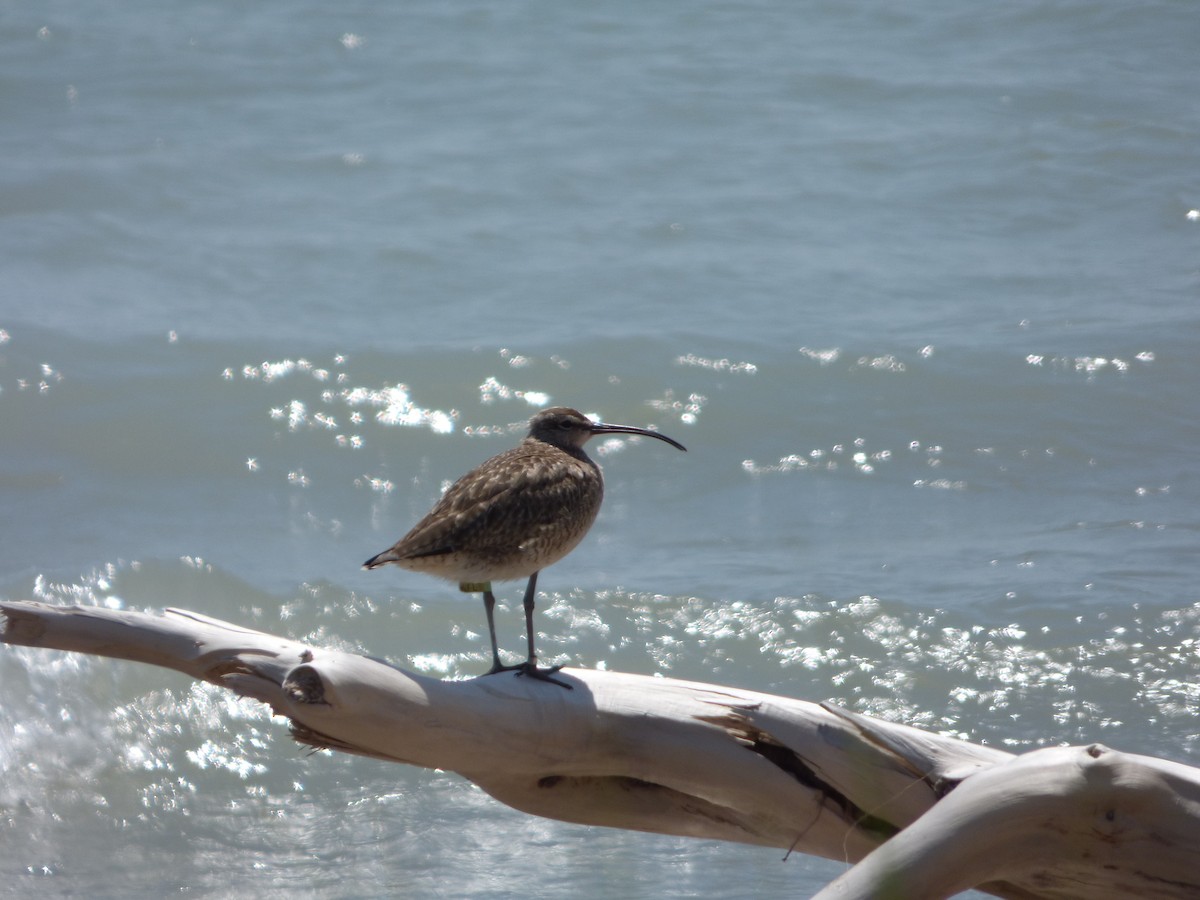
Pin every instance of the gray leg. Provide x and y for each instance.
(530, 593)
(530, 667)
(489, 606)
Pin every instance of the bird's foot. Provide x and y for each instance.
(530, 668)
(498, 667)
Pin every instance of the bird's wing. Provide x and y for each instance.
(501, 504)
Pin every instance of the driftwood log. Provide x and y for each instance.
(919, 815)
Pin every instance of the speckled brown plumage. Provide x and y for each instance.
(514, 515)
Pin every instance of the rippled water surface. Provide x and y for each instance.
(917, 289)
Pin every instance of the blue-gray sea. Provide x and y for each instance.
(918, 285)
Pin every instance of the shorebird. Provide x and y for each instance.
(512, 516)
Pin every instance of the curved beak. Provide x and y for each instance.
(602, 428)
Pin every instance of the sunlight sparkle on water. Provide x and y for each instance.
(493, 389)
(688, 410)
(1088, 365)
(824, 357)
(211, 755)
(885, 363)
(435, 663)
(821, 459)
(717, 365)
(378, 485)
(394, 402)
(398, 408)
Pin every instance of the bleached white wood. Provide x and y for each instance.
(676, 757)
(1072, 821)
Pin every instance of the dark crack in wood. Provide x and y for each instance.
(780, 755)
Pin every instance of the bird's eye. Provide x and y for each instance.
(565, 424)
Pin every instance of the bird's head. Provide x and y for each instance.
(570, 429)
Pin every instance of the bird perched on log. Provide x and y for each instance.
(512, 516)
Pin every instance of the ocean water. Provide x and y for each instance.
(918, 288)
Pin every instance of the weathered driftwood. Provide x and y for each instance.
(931, 815)
(1060, 822)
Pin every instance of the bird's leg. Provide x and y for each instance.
(489, 606)
(530, 593)
(530, 667)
